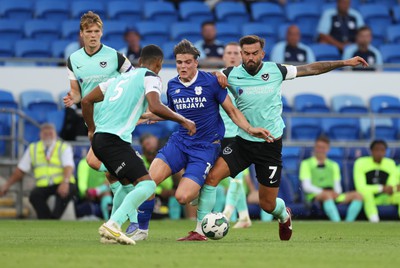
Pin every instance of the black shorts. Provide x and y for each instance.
(118, 156)
(266, 157)
(226, 141)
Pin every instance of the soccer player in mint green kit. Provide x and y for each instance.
(256, 86)
(87, 67)
(320, 179)
(125, 99)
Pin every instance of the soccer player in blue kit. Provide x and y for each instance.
(196, 95)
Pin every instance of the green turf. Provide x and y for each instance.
(313, 244)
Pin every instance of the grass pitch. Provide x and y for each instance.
(313, 244)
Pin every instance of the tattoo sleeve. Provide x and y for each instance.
(318, 67)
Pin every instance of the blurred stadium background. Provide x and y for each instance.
(352, 108)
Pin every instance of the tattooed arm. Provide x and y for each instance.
(321, 67)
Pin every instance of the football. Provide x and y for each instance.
(215, 225)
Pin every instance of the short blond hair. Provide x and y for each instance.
(90, 18)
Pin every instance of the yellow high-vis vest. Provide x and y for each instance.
(47, 170)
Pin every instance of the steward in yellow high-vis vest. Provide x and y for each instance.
(52, 164)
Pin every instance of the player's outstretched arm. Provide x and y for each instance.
(74, 96)
(238, 118)
(159, 109)
(321, 67)
(96, 95)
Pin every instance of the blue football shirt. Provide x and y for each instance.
(198, 100)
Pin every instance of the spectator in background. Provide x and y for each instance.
(133, 48)
(376, 177)
(292, 50)
(338, 27)
(209, 47)
(364, 49)
(52, 164)
(320, 179)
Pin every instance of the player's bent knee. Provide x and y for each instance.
(93, 162)
(182, 199)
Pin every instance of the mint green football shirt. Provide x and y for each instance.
(231, 129)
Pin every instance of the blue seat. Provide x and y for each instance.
(21, 10)
(70, 30)
(116, 44)
(124, 11)
(259, 29)
(348, 104)
(308, 32)
(375, 14)
(337, 154)
(227, 32)
(390, 53)
(6, 48)
(342, 128)
(195, 12)
(232, 12)
(291, 158)
(168, 49)
(305, 128)
(10, 30)
(270, 14)
(29, 97)
(186, 30)
(163, 12)
(114, 30)
(307, 14)
(385, 104)
(286, 106)
(52, 10)
(378, 34)
(393, 34)
(325, 52)
(310, 103)
(7, 100)
(32, 49)
(396, 13)
(153, 32)
(31, 132)
(58, 48)
(352, 153)
(78, 8)
(42, 30)
(56, 117)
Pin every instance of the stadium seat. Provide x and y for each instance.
(393, 34)
(385, 104)
(308, 33)
(291, 157)
(29, 97)
(21, 9)
(305, 128)
(116, 44)
(7, 100)
(270, 14)
(396, 13)
(348, 104)
(10, 30)
(375, 14)
(32, 49)
(114, 30)
(309, 103)
(168, 49)
(124, 11)
(153, 32)
(352, 153)
(390, 53)
(307, 14)
(337, 154)
(325, 52)
(42, 30)
(52, 10)
(345, 129)
(78, 8)
(268, 33)
(70, 30)
(195, 12)
(56, 117)
(378, 34)
(31, 131)
(163, 12)
(227, 32)
(187, 30)
(286, 106)
(58, 48)
(232, 12)
(6, 48)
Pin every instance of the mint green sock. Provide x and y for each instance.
(206, 201)
(220, 199)
(119, 196)
(331, 210)
(266, 217)
(115, 186)
(104, 203)
(353, 210)
(143, 190)
(132, 216)
(280, 210)
(232, 194)
(103, 168)
(241, 202)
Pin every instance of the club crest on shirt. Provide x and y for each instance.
(103, 64)
(198, 90)
(265, 77)
(177, 91)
